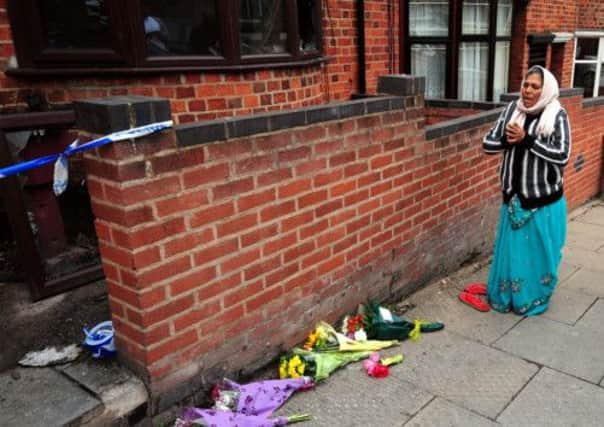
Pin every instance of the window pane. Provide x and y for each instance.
(502, 65)
(307, 24)
(601, 82)
(76, 24)
(429, 60)
(473, 69)
(504, 18)
(428, 17)
(585, 77)
(181, 27)
(587, 49)
(262, 26)
(475, 17)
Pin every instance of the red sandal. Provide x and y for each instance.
(473, 301)
(476, 288)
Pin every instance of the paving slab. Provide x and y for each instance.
(436, 303)
(595, 216)
(44, 397)
(571, 349)
(565, 271)
(568, 306)
(584, 235)
(440, 413)
(590, 282)
(96, 375)
(594, 317)
(121, 392)
(351, 398)
(469, 374)
(584, 258)
(555, 399)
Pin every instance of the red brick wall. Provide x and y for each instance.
(588, 140)
(591, 15)
(437, 114)
(238, 247)
(6, 44)
(562, 59)
(200, 96)
(382, 40)
(542, 16)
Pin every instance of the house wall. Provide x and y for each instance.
(591, 15)
(207, 95)
(214, 247)
(441, 114)
(537, 17)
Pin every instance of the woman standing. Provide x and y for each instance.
(533, 134)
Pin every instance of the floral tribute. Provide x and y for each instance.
(248, 405)
(379, 368)
(382, 324)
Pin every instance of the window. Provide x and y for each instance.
(462, 47)
(79, 34)
(589, 64)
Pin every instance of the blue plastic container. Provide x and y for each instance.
(99, 340)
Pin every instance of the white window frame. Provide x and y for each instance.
(598, 61)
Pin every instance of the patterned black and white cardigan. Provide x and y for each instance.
(533, 169)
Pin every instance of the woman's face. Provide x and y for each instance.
(531, 89)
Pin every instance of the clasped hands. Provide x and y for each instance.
(514, 133)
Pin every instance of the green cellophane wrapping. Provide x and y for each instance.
(399, 329)
(325, 363)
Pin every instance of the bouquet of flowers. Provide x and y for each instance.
(318, 365)
(257, 398)
(352, 327)
(325, 338)
(248, 405)
(381, 324)
(215, 417)
(379, 368)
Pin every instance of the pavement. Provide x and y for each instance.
(84, 393)
(488, 369)
(483, 369)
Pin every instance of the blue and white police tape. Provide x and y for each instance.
(75, 148)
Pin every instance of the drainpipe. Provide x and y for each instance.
(361, 46)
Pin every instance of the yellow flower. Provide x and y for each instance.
(283, 369)
(295, 367)
(311, 341)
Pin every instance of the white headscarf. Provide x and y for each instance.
(547, 103)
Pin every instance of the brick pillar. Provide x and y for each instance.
(121, 180)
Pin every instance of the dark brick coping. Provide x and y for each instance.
(593, 102)
(203, 132)
(106, 115)
(462, 123)
(564, 93)
(456, 103)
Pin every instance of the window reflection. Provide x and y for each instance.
(429, 60)
(262, 27)
(76, 24)
(181, 27)
(473, 70)
(428, 17)
(475, 17)
(504, 17)
(307, 24)
(585, 77)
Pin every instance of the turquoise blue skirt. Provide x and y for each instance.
(528, 251)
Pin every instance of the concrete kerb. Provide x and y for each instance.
(86, 393)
